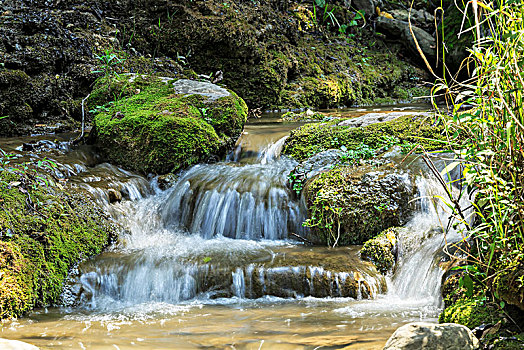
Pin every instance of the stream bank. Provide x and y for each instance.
(273, 54)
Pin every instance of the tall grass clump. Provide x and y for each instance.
(486, 129)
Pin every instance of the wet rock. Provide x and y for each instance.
(417, 16)
(7, 344)
(317, 164)
(114, 195)
(400, 30)
(350, 205)
(166, 181)
(430, 336)
(373, 118)
(368, 6)
(383, 249)
(289, 272)
(202, 120)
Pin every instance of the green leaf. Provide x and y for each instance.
(468, 284)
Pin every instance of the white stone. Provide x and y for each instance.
(6, 344)
(193, 87)
(432, 336)
(374, 118)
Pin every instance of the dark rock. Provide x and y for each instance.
(418, 17)
(400, 30)
(367, 6)
(114, 195)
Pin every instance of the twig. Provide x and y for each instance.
(79, 138)
(301, 238)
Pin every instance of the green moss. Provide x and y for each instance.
(43, 234)
(303, 116)
(496, 342)
(278, 59)
(351, 205)
(314, 138)
(470, 313)
(380, 249)
(153, 129)
(456, 20)
(508, 283)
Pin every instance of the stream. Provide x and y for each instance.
(207, 263)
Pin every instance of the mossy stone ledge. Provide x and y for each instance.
(164, 124)
(405, 129)
(44, 232)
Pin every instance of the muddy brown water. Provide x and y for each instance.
(152, 289)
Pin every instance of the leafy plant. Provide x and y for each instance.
(487, 131)
(296, 179)
(109, 63)
(325, 12)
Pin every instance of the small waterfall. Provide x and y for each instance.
(272, 151)
(417, 274)
(242, 202)
(239, 284)
(215, 234)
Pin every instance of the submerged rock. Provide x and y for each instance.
(164, 124)
(431, 336)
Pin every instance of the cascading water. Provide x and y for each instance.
(248, 202)
(208, 263)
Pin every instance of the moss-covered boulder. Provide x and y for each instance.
(307, 116)
(43, 233)
(350, 205)
(470, 312)
(508, 283)
(406, 130)
(164, 124)
(382, 250)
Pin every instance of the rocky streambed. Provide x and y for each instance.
(210, 257)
